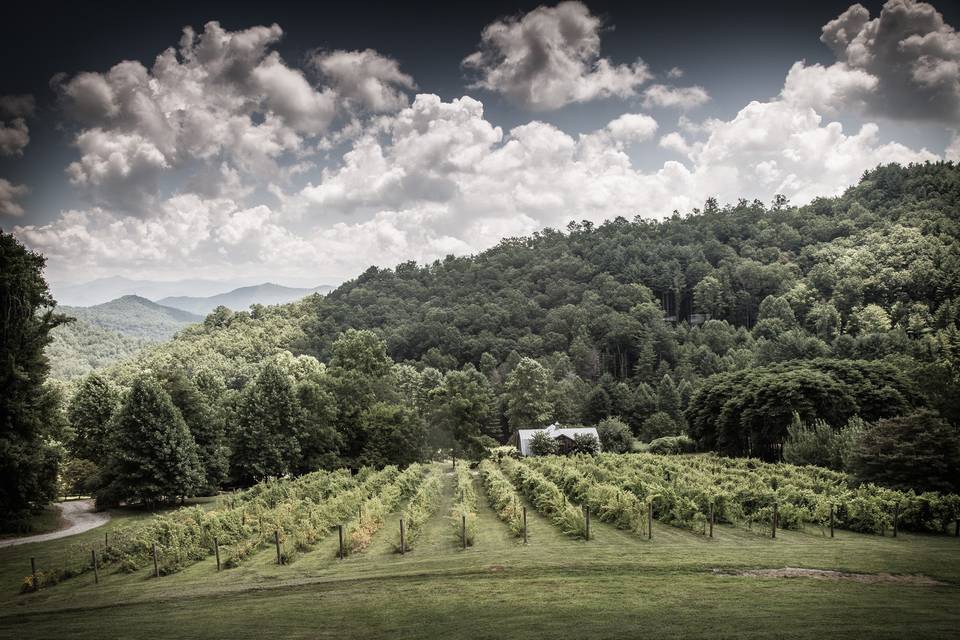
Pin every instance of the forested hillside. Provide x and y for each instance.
(748, 327)
(135, 317)
(109, 332)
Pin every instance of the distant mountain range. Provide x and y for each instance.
(106, 289)
(110, 331)
(135, 317)
(242, 298)
(105, 333)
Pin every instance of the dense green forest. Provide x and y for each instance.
(808, 333)
(109, 332)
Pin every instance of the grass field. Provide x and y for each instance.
(617, 585)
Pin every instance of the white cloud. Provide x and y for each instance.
(666, 97)
(437, 177)
(365, 79)
(674, 141)
(674, 73)
(831, 89)
(14, 133)
(550, 57)
(9, 195)
(910, 52)
(221, 96)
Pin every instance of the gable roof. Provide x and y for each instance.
(525, 435)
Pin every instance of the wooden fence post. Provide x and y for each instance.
(106, 540)
(216, 551)
(711, 519)
(831, 520)
(156, 564)
(956, 529)
(650, 520)
(96, 569)
(33, 572)
(776, 513)
(276, 540)
(340, 535)
(896, 518)
(587, 511)
(524, 525)
(463, 529)
(403, 546)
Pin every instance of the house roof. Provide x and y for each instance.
(525, 435)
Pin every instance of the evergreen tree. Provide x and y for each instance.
(597, 407)
(89, 414)
(668, 398)
(153, 457)
(269, 422)
(28, 462)
(206, 426)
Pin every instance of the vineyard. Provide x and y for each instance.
(623, 513)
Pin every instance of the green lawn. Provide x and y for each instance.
(44, 522)
(614, 586)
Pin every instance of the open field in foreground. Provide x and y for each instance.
(617, 585)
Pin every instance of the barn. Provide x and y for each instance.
(563, 435)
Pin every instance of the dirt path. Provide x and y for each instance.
(78, 515)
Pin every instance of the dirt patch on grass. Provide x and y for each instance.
(496, 568)
(823, 574)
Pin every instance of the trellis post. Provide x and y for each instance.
(216, 551)
(650, 520)
(156, 564)
(276, 541)
(776, 513)
(524, 525)
(340, 535)
(403, 546)
(33, 572)
(711, 519)
(96, 569)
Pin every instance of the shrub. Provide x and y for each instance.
(543, 445)
(919, 451)
(673, 445)
(615, 435)
(658, 425)
(585, 443)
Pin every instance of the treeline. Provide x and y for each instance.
(719, 324)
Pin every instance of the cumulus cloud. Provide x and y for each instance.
(437, 177)
(666, 97)
(220, 96)
(14, 133)
(9, 195)
(365, 79)
(674, 141)
(550, 57)
(905, 63)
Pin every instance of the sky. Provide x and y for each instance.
(301, 144)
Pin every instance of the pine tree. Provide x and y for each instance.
(153, 457)
(668, 398)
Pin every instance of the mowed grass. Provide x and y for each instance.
(616, 585)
